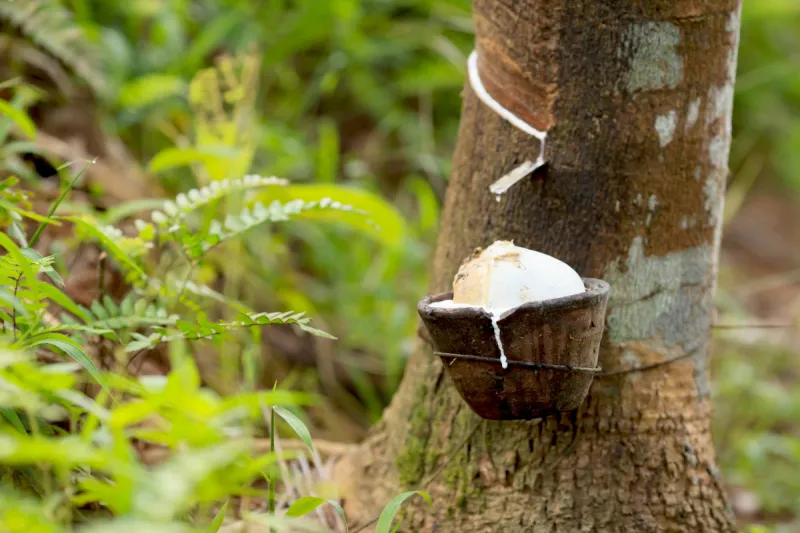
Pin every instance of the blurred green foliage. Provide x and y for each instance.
(346, 92)
(767, 100)
(756, 411)
(86, 444)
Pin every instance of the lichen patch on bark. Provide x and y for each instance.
(659, 295)
(693, 113)
(656, 62)
(666, 126)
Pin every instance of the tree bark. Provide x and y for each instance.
(636, 97)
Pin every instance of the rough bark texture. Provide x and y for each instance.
(637, 99)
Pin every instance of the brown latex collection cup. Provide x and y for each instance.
(563, 335)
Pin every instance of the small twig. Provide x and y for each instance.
(101, 276)
(56, 204)
(134, 357)
(14, 309)
(272, 431)
(185, 283)
(75, 257)
(168, 264)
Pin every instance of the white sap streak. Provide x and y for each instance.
(483, 94)
(496, 315)
(507, 181)
(503, 360)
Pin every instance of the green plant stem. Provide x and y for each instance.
(271, 497)
(14, 310)
(55, 205)
(182, 290)
(101, 278)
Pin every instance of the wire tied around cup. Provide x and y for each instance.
(597, 371)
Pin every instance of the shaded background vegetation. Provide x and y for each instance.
(365, 94)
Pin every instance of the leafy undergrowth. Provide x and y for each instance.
(756, 397)
(756, 431)
(88, 441)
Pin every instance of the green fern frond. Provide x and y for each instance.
(202, 328)
(249, 218)
(50, 26)
(173, 212)
(10, 268)
(132, 313)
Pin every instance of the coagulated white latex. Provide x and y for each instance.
(505, 276)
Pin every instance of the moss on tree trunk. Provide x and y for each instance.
(637, 98)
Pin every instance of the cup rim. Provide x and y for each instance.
(597, 290)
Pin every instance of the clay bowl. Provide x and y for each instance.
(552, 349)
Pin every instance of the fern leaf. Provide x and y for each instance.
(172, 213)
(50, 26)
(130, 314)
(235, 225)
(202, 328)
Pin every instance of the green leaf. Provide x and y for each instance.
(12, 416)
(328, 154)
(43, 264)
(307, 504)
(170, 158)
(170, 212)
(99, 311)
(124, 210)
(304, 505)
(150, 89)
(18, 117)
(21, 514)
(8, 298)
(390, 511)
(253, 402)
(69, 347)
(28, 214)
(64, 301)
(374, 216)
(16, 253)
(69, 451)
(85, 403)
(297, 425)
(316, 332)
(178, 483)
(215, 524)
(397, 525)
(131, 413)
(211, 36)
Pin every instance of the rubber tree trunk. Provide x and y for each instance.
(637, 99)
